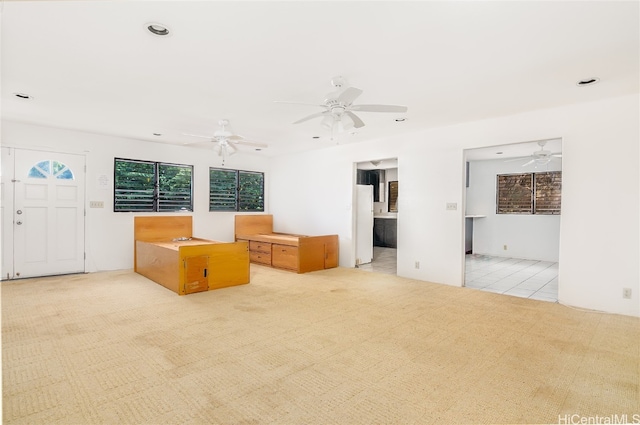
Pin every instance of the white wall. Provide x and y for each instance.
(534, 237)
(599, 241)
(313, 193)
(109, 235)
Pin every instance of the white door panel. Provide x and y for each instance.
(364, 224)
(47, 213)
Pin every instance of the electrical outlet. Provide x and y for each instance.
(96, 204)
(417, 264)
(504, 247)
(626, 293)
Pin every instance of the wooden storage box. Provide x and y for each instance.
(298, 253)
(166, 253)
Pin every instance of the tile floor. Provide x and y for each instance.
(513, 276)
(384, 261)
(510, 276)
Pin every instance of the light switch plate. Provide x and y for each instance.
(96, 204)
(452, 206)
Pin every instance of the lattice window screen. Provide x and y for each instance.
(515, 194)
(529, 193)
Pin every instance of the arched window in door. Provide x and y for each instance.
(51, 169)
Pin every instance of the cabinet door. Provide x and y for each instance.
(330, 255)
(378, 232)
(391, 233)
(195, 274)
(284, 256)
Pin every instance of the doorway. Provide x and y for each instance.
(42, 213)
(377, 221)
(512, 237)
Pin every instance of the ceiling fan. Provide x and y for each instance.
(338, 108)
(541, 157)
(226, 141)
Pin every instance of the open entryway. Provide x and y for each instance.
(42, 213)
(376, 220)
(512, 219)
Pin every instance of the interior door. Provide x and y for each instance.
(364, 224)
(47, 214)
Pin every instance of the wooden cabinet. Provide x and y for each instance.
(166, 252)
(297, 253)
(385, 232)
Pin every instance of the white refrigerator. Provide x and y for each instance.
(364, 224)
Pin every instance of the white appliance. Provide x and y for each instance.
(364, 224)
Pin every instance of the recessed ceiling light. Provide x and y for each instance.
(401, 119)
(23, 96)
(315, 137)
(499, 153)
(157, 29)
(588, 81)
(157, 134)
(258, 149)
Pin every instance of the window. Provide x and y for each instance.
(152, 186)
(529, 193)
(234, 190)
(49, 168)
(393, 196)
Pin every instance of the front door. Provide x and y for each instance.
(47, 215)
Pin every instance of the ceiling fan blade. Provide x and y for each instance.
(312, 116)
(529, 162)
(231, 149)
(379, 108)
(357, 122)
(349, 95)
(247, 143)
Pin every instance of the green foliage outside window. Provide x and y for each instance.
(235, 190)
(152, 186)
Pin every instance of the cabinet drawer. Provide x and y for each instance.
(285, 257)
(260, 246)
(260, 257)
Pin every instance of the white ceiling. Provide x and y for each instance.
(92, 65)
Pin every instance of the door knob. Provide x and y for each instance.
(18, 223)
(19, 212)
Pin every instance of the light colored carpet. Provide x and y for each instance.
(340, 346)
